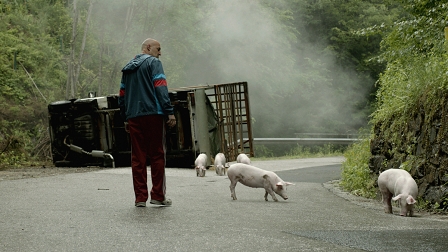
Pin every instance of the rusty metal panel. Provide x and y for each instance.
(231, 102)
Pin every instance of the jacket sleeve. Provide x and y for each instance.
(161, 87)
(121, 101)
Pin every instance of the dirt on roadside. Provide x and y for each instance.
(43, 171)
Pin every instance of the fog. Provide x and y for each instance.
(287, 95)
(293, 88)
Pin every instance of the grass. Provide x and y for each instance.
(298, 151)
(355, 175)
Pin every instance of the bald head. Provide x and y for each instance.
(151, 47)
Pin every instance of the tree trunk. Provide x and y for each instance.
(78, 69)
(129, 15)
(71, 87)
(100, 70)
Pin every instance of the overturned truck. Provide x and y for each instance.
(210, 119)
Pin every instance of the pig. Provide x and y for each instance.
(400, 183)
(199, 164)
(220, 162)
(243, 158)
(255, 177)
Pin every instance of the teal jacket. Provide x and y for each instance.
(143, 88)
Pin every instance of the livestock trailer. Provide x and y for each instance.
(210, 119)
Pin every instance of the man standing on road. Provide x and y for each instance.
(145, 106)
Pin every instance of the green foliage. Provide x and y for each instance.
(298, 151)
(19, 146)
(28, 48)
(415, 78)
(325, 150)
(263, 151)
(355, 176)
(434, 207)
(31, 73)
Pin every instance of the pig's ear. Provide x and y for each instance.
(396, 197)
(410, 200)
(279, 185)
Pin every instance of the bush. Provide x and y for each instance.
(355, 175)
(21, 146)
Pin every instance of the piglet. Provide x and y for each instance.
(220, 162)
(400, 183)
(199, 164)
(255, 177)
(243, 158)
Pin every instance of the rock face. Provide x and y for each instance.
(421, 146)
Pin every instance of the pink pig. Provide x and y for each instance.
(200, 164)
(400, 183)
(243, 158)
(220, 162)
(252, 176)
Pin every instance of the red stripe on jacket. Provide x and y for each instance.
(160, 82)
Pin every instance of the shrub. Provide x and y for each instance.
(22, 146)
(355, 174)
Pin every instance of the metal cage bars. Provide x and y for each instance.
(231, 103)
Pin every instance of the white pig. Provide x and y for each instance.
(199, 164)
(220, 162)
(243, 158)
(400, 184)
(255, 177)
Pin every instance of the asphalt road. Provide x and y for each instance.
(95, 211)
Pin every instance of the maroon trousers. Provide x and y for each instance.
(148, 139)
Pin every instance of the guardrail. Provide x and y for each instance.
(346, 141)
(326, 135)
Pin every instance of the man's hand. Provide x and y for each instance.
(126, 127)
(171, 121)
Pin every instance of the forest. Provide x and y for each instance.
(321, 66)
